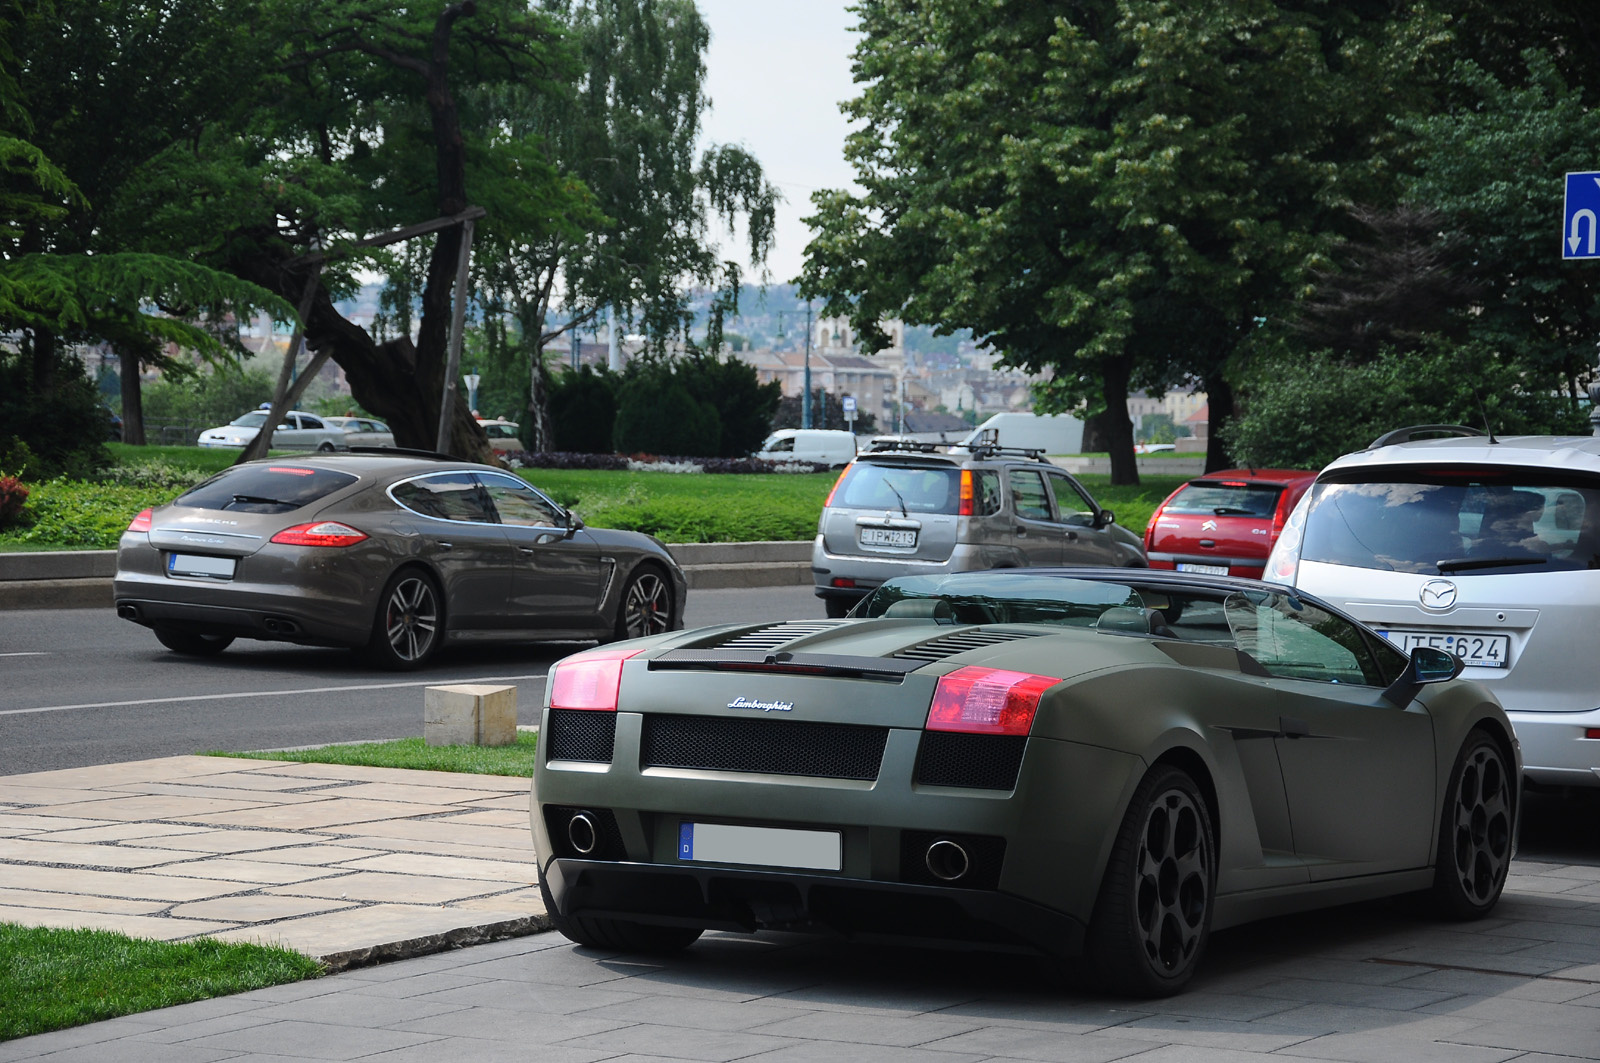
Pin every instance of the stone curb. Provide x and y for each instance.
(81, 579)
(427, 944)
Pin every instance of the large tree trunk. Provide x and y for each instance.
(1220, 406)
(132, 398)
(1118, 426)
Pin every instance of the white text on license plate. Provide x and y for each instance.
(1210, 570)
(200, 565)
(722, 843)
(888, 537)
(1480, 651)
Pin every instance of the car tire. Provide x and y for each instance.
(191, 644)
(646, 606)
(325, 448)
(1153, 916)
(617, 935)
(836, 608)
(409, 625)
(1475, 831)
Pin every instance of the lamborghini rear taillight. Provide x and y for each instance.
(590, 680)
(988, 701)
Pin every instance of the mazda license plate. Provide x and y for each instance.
(1477, 650)
(888, 537)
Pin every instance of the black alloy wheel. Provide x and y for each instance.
(410, 622)
(191, 644)
(646, 607)
(1476, 832)
(1153, 915)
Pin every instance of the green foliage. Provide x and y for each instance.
(743, 404)
(54, 979)
(218, 395)
(13, 495)
(583, 410)
(78, 515)
(692, 509)
(515, 759)
(656, 414)
(1312, 408)
(53, 426)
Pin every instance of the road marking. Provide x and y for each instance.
(272, 693)
(26, 653)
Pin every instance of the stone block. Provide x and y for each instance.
(470, 714)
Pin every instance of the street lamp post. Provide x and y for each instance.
(805, 394)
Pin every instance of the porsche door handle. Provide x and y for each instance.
(526, 551)
(445, 546)
(1290, 727)
(1072, 536)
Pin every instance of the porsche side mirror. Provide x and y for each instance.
(1427, 665)
(574, 525)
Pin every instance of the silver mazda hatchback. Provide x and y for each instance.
(915, 511)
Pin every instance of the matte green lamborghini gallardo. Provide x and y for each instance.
(1100, 766)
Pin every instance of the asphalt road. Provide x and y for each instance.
(81, 687)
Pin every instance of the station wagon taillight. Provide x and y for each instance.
(965, 508)
(141, 523)
(589, 680)
(988, 701)
(320, 533)
(843, 473)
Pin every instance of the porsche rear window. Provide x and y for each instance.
(1227, 500)
(1457, 521)
(280, 487)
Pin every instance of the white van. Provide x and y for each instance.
(828, 446)
(1059, 433)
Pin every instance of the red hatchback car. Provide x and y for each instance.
(1224, 523)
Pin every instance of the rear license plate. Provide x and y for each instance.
(1209, 570)
(720, 843)
(1479, 651)
(200, 565)
(888, 537)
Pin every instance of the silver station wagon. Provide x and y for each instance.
(915, 511)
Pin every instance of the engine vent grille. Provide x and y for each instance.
(776, 747)
(581, 734)
(769, 638)
(959, 642)
(982, 762)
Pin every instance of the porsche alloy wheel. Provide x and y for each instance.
(646, 607)
(408, 626)
(1153, 916)
(1475, 835)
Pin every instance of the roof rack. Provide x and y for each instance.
(884, 446)
(1406, 435)
(988, 445)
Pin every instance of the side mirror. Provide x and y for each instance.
(1428, 665)
(574, 525)
(1104, 518)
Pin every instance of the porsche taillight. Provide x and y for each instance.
(988, 701)
(589, 680)
(141, 523)
(320, 533)
(965, 508)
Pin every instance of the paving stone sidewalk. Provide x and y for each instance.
(347, 864)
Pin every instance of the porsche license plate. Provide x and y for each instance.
(1477, 650)
(888, 537)
(722, 843)
(200, 565)
(1209, 570)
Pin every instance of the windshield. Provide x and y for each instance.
(253, 419)
(903, 489)
(979, 599)
(1457, 520)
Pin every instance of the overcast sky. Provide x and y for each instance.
(776, 74)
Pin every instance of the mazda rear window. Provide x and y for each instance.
(1456, 521)
(1227, 500)
(275, 488)
(900, 488)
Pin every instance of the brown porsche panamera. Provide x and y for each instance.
(396, 554)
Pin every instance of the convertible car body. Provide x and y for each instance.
(1094, 765)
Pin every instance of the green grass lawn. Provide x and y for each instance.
(51, 979)
(414, 753)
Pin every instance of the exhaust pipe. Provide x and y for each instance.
(279, 626)
(947, 861)
(128, 611)
(582, 833)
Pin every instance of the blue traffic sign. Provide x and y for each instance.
(1580, 225)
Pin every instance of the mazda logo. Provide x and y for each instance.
(1438, 594)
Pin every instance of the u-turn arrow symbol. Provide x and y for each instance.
(1573, 239)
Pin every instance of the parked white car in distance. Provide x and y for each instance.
(299, 431)
(362, 431)
(828, 446)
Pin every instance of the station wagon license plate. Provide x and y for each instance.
(1479, 651)
(888, 537)
(200, 565)
(1209, 570)
(722, 843)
